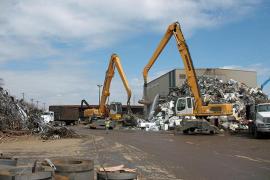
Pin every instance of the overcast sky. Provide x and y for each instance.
(57, 51)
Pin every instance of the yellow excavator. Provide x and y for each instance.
(186, 106)
(114, 110)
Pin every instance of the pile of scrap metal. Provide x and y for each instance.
(18, 115)
(160, 116)
(213, 90)
(52, 133)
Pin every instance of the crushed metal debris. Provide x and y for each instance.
(57, 133)
(214, 91)
(18, 117)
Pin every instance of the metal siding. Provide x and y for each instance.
(165, 81)
(174, 77)
(247, 77)
(160, 86)
(170, 79)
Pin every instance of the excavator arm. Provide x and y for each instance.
(264, 83)
(175, 30)
(103, 110)
(114, 62)
(200, 110)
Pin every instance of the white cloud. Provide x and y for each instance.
(30, 29)
(262, 71)
(100, 23)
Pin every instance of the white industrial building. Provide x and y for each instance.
(176, 77)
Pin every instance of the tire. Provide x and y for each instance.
(185, 131)
(256, 133)
(192, 130)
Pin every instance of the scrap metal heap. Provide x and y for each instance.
(213, 91)
(216, 91)
(17, 115)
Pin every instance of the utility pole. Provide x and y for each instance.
(37, 104)
(134, 99)
(44, 106)
(99, 86)
(32, 101)
(23, 96)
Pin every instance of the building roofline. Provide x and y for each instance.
(161, 76)
(220, 69)
(200, 69)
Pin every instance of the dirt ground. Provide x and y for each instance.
(155, 155)
(90, 145)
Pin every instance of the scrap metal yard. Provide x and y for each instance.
(152, 147)
(134, 90)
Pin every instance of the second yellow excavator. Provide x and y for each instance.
(114, 110)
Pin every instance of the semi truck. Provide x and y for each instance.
(65, 114)
(259, 119)
(48, 116)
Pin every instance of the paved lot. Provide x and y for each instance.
(198, 156)
(156, 155)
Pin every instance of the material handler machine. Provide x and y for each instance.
(114, 110)
(187, 106)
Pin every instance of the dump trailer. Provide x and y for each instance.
(65, 114)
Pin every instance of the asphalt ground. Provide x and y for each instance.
(155, 155)
(180, 156)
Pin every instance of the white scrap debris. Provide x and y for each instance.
(162, 114)
(23, 115)
(153, 107)
(174, 121)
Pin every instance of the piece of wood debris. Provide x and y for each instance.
(116, 168)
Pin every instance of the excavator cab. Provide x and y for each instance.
(115, 110)
(184, 106)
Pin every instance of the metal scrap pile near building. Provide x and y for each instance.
(17, 115)
(213, 91)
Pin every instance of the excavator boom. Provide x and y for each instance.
(200, 110)
(103, 110)
(175, 30)
(114, 62)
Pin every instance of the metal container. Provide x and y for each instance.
(8, 161)
(65, 113)
(75, 169)
(23, 173)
